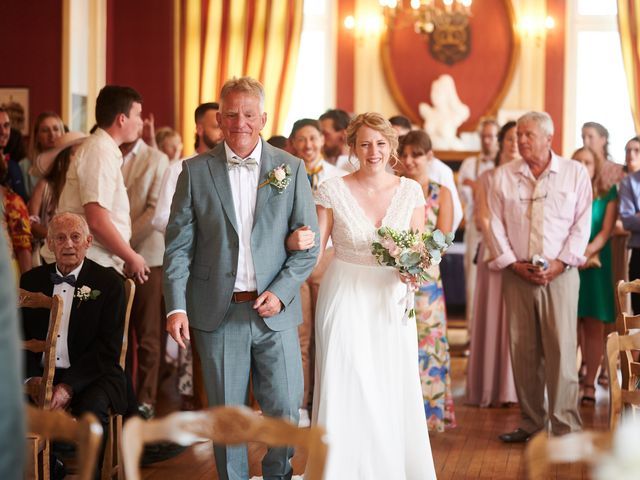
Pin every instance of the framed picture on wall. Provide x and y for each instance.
(16, 101)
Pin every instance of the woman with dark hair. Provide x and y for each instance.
(46, 129)
(433, 346)
(596, 137)
(595, 301)
(489, 375)
(52, 166)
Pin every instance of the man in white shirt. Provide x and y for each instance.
(401, 124)
(307, 141)
(94, 186)
(468, 175)
(334, 125)
(228, 275)
(208, 135)
(12, 421)
(142, 171)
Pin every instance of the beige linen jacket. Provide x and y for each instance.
(142, 177)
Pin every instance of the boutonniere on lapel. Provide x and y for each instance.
(85, 293)
(279, 178)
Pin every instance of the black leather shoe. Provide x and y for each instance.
(517, 436)
(57, 471)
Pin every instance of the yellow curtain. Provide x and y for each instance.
(220, 39)
(629, 25)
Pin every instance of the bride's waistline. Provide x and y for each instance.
(371, 264)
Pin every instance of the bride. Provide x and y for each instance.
(367, 389)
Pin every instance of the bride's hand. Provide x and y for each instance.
(301, 239)
(410, 280)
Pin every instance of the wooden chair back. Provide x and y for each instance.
(112, 461)
(620, 396)
(85, 432)
(129, 293)
(625, 320)
(225, 426)
(27, 299)
(580, 447)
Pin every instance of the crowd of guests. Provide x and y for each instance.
(551, 244)
(545, 240)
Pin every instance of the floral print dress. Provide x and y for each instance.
(433, 346)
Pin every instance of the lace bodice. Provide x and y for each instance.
(353, 232)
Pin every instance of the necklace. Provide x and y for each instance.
(370, 191)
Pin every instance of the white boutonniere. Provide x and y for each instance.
(279, 178)
(85, 293)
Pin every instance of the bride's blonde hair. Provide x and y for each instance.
(376, 122)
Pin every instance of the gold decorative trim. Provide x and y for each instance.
(401, 101)
(65, 97)
(177, 19)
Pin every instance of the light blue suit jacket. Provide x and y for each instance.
(201, 254)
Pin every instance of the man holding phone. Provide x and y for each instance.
(541, 219)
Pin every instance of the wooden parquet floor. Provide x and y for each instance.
(470, 451)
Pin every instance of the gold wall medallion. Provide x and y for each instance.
(450, 41)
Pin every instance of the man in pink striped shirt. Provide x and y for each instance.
(541, 219)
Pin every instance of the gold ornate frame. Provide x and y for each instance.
(400, 99)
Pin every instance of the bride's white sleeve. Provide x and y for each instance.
(322, 196)
(418, 195)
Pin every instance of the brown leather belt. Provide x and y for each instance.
(241, 297)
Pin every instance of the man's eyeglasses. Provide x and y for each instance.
(535, 198)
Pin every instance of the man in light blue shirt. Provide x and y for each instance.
(630, 216)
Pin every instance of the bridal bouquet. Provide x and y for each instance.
(412, 254)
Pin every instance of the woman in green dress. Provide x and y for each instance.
(595, 303)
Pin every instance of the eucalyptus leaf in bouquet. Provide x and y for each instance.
(412, 254)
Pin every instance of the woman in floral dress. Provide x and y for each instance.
(415, 154)
(15, 219)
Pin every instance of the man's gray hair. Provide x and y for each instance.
(243, 85)
(58, 217)
(542, 119)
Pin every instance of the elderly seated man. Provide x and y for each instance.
(88, 377)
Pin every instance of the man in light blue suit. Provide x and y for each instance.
(228, 275)
(11, 370)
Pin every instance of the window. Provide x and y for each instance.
(596, 88)
(314, 90)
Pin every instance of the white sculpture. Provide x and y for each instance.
(442, 120)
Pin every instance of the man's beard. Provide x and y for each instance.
(208, 141)
(332, 152)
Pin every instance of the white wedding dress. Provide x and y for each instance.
(367, 386)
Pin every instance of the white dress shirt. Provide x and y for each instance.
(244, 188)
(441, 173)
(132, 153)
(471, 169)
(165, 197)
(329, 171)
(67, 292)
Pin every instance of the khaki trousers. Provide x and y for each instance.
(306, 330)
(543, 343)
(147, 323)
